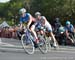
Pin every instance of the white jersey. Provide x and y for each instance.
(47, 24)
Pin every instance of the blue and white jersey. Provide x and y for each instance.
(69, 28)
(47, 24)
(39, 22)
(25, 18)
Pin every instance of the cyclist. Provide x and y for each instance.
(41, 20)
(61, 35)
(57, 24)
(26, 19)
(69, 30)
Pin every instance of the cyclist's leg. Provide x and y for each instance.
(34, 33)
(49, 28)
(19, 34)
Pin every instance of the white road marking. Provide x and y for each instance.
(6, 44)
(17, 46)
(37, 50)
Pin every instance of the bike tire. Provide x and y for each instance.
(44, 47)
(28, 48)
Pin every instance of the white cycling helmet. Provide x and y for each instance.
(68, 22)
(37, 14)
(22, 10)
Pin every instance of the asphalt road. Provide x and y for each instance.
(8, 52)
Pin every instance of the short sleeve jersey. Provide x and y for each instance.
(25, 18)
(70, 28)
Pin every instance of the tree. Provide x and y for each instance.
(65, 9)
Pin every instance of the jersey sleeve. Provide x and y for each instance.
(28, 14)
(72, 26)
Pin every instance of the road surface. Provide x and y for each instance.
(8, 51)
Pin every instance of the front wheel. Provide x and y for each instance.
(27, 44)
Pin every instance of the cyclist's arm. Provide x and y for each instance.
(73, 28)
(67, 35)
(30, 21)
(44, 21)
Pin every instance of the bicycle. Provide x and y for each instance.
(29, 45)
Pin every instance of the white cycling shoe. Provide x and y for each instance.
(55, 45)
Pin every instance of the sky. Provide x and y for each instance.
(3, 1)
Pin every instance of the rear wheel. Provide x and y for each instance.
(43, 44)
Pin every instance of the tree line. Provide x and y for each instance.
(64, 9)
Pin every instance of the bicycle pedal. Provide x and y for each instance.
(35, 45)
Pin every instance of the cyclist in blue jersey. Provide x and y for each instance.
(57, 25)
(69, 28)
(25, 18)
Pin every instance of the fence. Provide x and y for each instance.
(6, 33)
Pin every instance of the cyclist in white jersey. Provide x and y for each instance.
(42, 20)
